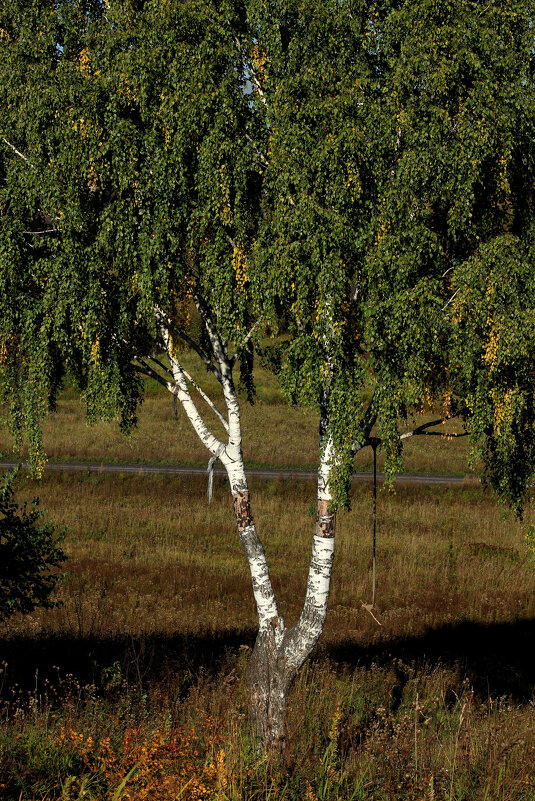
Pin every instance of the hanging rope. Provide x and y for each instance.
(210, 470)
(374, 442)
(374, 446)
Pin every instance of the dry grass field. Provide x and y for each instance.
(134, 687)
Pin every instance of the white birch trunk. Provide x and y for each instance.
(278, 653)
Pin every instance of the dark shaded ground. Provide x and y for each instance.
(496, 659)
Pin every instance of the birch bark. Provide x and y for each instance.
(278, 652)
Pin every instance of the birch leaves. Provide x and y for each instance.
(337, 169)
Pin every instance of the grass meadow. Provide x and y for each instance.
(134, 688)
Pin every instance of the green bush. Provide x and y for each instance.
(29, 554)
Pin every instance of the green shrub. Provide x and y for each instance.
(29, 554)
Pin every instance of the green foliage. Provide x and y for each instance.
(33, 761)
(355, 174)
(493, 313)
(29, 556)
(140, 172)
(399, 142)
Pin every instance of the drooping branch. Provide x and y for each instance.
(160, 365)
(242, 344)
(147, 370)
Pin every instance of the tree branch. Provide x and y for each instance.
(170, 324)
(258, 87)
(47, 231)
(419, 431)
(212, 443)
(368, 422)
(243, 344)
(252, 75)
(422, 430)
(219, 349)
(160, 365)
(261, 156)
(147, 370)
(450, 300)
(21, 155)
(208, 400)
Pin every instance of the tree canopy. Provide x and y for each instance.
(361, 171)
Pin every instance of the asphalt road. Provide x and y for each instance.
(253, 472)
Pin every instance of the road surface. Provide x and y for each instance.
(253, 472)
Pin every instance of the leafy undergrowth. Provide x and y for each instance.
(406, 731)
(162, 764)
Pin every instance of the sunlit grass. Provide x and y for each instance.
(135, 687)
(140, 543)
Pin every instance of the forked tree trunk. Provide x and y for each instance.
(278, 652)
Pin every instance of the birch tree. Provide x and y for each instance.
(359, 172)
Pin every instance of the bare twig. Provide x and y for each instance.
(244, 343)
(21, 155)
(368, 608)
(231, 241)
(46, 231)
(450, 300)
(208, 400)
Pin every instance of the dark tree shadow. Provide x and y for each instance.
(31, 663)
(496, 659)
